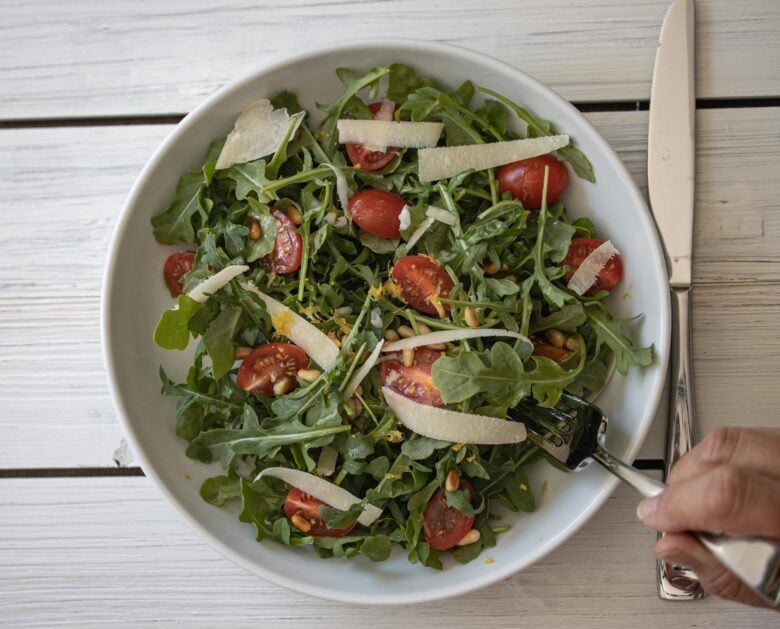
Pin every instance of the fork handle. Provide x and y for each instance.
(755, 560)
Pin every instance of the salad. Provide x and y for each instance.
(367, 297)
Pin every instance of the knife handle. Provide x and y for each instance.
(676, 582)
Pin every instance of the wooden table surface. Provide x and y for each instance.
(89, 89)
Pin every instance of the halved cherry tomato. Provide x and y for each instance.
(524, 180)
(267, 364)
(308, 507)
(414, 382)
(558, 354)
(286, 256)
(420, 280)
(444, 526)
(177, 265)
(364, 159)
(377, 212)
(608, 277)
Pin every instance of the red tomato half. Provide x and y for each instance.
(377, 212)
(177, 265)
(267, 364)
(414, 382)
(308, 507)
(443, 526)
(364, 159)
(581, 248)
(286, 256)
(558, 354)
(421, 279)
(524, 180)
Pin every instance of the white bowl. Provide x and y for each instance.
(134, 296)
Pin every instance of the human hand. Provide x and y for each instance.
(729, 483)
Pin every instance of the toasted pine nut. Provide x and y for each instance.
(294, 214)
(469, 538)
(511, 278)
(359, 389)
(424, 329)
(490, 268)
(555, 337)
(354, 408)
(308, 375)
(439, 347)
(283, 385)
(439, 308)
(408, 357)
(254, 229)
(301, 523)
(452, 482)
(404, 331)
(242, 352)
(470, 315)
(572, 344)
(391, 335)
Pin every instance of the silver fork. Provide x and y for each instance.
(573, 434)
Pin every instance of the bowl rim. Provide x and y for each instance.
(275, 64)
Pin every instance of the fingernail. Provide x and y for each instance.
(647, 507)
(679, 559)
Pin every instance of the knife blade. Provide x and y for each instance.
(670, 179)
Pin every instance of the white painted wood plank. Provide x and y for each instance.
(91, 58)
(102, 551)
(67, 185)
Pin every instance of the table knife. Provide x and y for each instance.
(670, 180)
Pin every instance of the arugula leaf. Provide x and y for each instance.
(175, 223)
(428, 103)
(218, 340)
(568, 319)
(219, 489)
(338, 519)
(172, 331)
(255, 510)
(612, 332)
(376, 547)
(248, 177)
(422, 447)
(264, 245)
(402, 80)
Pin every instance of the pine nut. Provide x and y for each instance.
(511, 278)
(354, 408)
(470, 315)
(254, 229)
(424, 329)
(572, 344)
(309, 375)
(439, 308)
(242, 352)
(555, 337)
(404, 331)
(491, 268)
(283, 385)
(452, 482)
(359, 390)
(301, 523)
(294, 214)
(391, 335)
(408, 357)
(470, 537)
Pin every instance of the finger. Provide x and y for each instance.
(684, 550)
(725, 499)
(749, 448)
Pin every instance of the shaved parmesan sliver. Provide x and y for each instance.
(324, 490)
(419, 232)
(386, 110)
(363, 370)
(587, 273)
(448, 336)
(257, 132)
(326, 464)
(404, 218)
(443, 216)
(439, 423)
(377, 135)
(212, 284)
(342, 189)
(448, 161)
(321, 349)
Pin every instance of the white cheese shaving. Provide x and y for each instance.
(326, 464)
(257, 132)
(342, 189)
(440, 423)
(587, 273)
(321, 349)
(404, 218)
(385, 111)
(447, 161)
(448, 336)
(443, 216)
(363, 370)
(212, 284)
(376, 318)
(377, 135)
(324, 490)
(419, 232)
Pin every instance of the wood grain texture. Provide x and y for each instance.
(91, 58)
(64, 188)
(119, 555)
